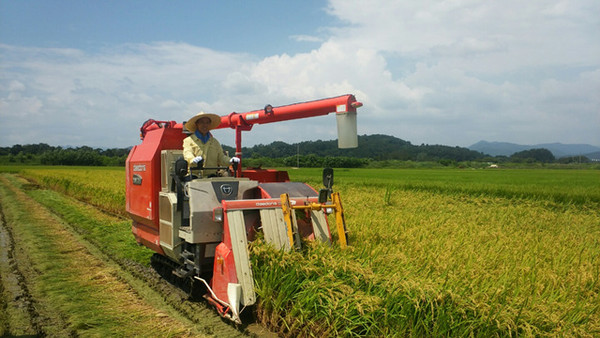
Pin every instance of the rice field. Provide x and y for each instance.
(103, 187)
(433, 252)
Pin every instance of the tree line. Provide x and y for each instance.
(373, 151)
(378, 150)
(373, 147)
(50, 155)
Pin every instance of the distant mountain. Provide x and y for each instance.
(593, 156)
(558, 149)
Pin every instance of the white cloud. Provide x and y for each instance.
(484, 66)
(306, 38)
(450, 72)
(16, 86)
(110, 92)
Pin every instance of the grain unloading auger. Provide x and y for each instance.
(200, 227)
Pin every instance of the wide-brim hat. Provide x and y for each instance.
(215, 121)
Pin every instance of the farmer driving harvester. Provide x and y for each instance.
(201, 144)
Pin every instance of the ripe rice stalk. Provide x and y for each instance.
(448, 253)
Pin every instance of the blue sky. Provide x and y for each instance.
(262, 28)
(434, 72)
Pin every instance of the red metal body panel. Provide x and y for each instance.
(148, 236)
(143, 181)
(224, 265)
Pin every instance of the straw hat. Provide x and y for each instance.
(215, 121)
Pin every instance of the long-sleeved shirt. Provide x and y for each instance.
(211, 152)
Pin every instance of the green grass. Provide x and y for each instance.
(553, 185)
(103, 187)
(109, 234)
(69, 284)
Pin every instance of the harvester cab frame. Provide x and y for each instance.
(199, 226)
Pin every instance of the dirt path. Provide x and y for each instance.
(53, 283)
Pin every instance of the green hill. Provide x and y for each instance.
(376, 147)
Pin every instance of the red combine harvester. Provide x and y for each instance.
(200, 227)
